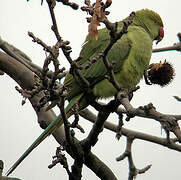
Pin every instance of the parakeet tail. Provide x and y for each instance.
(49, 130)
(44, 134)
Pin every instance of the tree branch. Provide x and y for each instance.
(175, 47)
(133, 171)
(86, 114)
(25, 79)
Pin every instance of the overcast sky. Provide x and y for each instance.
(19, 123)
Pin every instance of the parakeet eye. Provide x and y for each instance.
(155, 21)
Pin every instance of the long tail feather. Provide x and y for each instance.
(49, 130)
(44, 134)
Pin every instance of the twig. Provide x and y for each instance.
(65, 121)
(177, 98)
(66, 49)
(54, 26)
(53, 90)
(92, 161)
(40, 42)
(104, 112)
(60, 158)
(72, 145)
(83, 82)
(120, 125)
(141, 113)
(169, 122)
(76, 120)
(54, 53)
(71, 4)
(114, 37)
(175, 47)
(133, 171)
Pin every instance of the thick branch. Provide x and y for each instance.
(25, 78)
(19, 56)
(95, 131)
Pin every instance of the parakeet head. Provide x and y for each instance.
(151, 22)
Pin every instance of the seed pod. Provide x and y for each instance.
(161, 73)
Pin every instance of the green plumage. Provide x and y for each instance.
(131, 56)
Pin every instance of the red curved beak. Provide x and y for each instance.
(160, 35)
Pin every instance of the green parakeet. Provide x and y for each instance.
(131, 56)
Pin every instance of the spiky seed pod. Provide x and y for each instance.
(161, 73)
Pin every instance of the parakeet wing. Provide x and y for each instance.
(92, 47)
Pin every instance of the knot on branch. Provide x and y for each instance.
(65, 46)
(129, 20)
(124, 96)
(147, 108)
(74, 65)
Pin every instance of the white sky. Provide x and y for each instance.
(19, 123)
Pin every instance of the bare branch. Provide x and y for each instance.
(95, 131)
(168, 122)
(73, 5)
(126, 132)
(60, 158)
(19, 56)
(17, 70)
(175, 47)
(133, 171)
(177, 98)
(114, 37)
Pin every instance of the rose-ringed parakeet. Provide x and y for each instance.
(131, 56)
